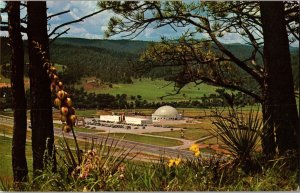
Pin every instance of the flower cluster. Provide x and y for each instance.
(63, 101)
(195, 148)
(89, 163)
(174, 162)
(67, 112)
(121, 170)
(98, 171)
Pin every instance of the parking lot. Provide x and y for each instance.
(93, 123)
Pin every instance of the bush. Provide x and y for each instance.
(240, 133)
(100, 169)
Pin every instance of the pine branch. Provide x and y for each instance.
(74, 21)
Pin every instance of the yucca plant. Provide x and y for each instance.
(101, 168)
(240, 132)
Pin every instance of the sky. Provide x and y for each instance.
(94, 27)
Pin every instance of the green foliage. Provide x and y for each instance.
(6, 174)
(114, 60)
(145, 87)
(148, 139)
(100, 168)
(240, 132)
(111, 171)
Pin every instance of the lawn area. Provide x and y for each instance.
(8, 130)
(202, 112)
(79, 129)
(79, 113)
(6, 81)
(5, 153)
(190, 134)
(147, 139)
(83, 145)
(192, 131)
(152, 90)
(7, 113)
(86, 113)
(213, 140)
(59, 67)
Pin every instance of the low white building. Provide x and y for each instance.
(125, 119)
(137, 121)
(166, 113)
(110, 118)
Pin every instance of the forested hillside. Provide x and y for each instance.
(113, 60)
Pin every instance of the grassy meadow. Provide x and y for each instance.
(152, 90)
(6, 159)
(147, 139)
(190, 133)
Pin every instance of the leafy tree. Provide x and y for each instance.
(19, 163)
(218, 65)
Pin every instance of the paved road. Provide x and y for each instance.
(136, 146)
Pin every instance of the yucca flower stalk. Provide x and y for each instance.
(63, 102)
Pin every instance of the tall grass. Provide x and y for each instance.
(98, 169)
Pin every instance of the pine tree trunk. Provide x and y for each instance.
(282, 103)
(268, 137)
(19, 163)
(40, 94)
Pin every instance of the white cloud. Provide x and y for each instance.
(94, 26)
(148, 32)
(92, 36)
(78, 30)
(67, 7)
(104, 28)
(231, 38)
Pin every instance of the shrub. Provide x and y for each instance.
(240, 133)
(101, 169)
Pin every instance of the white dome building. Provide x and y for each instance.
(165, 113)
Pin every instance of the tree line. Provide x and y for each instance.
(113, 65)
(91, 100)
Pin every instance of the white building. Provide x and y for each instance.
(110, 118)
(125, 119)
(137, 121)
(166, 113)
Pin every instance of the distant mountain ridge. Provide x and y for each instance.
(130, 46)
(111, 60)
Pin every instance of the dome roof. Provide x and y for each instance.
(166, 111)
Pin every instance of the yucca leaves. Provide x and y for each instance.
(239, 131)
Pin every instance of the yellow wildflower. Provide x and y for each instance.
(85, 189)
(177, 161)
(194, 148)
(197, 153)
(171, 162)
(121, 176)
